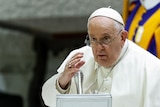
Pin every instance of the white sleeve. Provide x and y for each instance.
(49, 89)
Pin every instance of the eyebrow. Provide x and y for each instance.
(104, 35)
(107, 35)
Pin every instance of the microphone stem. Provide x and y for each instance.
(79, 81)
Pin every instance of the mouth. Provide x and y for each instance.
(101, 56)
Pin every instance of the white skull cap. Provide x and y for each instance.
(107, 12)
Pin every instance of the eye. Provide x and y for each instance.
(93, 39)
(106, 38)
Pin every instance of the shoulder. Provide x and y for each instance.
(141, 53)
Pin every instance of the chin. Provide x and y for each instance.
(104, 63)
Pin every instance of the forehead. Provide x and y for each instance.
(101, 25)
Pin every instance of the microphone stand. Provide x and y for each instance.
(79, 81)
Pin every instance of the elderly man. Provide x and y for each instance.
(110, 64)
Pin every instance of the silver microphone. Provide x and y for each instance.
(79, 81)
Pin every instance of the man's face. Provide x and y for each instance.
(105, 40)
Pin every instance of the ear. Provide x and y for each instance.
(124, 35)
(87, 42)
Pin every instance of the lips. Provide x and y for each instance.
(101, 56)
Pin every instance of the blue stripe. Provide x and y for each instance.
(148, 14)
(152, 46)
(132, 15)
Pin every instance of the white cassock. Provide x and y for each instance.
(134, 80)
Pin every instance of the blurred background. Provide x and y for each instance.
(35, 37)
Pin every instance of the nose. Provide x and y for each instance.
(99, 45)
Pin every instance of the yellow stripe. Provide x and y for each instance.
(157, 37)
(125, 10)
(135, 21)
(149, 29)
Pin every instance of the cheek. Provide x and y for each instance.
(94, 52)
(116, 50)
